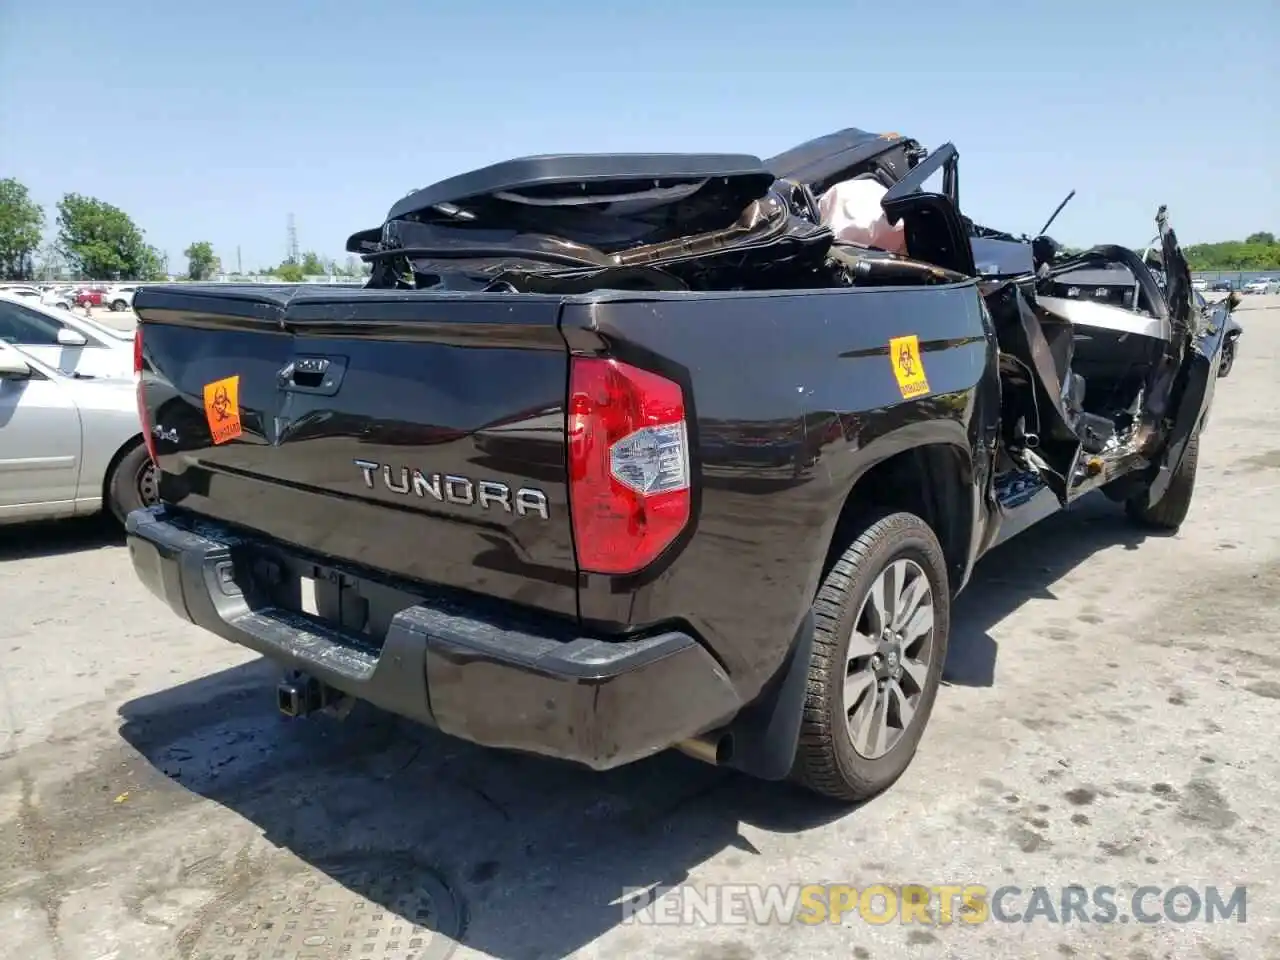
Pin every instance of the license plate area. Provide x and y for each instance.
(331, 597)
(362, 609)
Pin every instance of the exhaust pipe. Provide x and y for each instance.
(714, 748)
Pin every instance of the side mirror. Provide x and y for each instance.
(71, 338)
(13, 367)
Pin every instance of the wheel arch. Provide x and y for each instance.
(125, 449)
(932, 479)
(935, 481)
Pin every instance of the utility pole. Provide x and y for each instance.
(293, 241)
(239, 266)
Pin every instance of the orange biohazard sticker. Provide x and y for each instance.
(222, 408)
(908, 368)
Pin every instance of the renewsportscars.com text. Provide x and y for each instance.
(930, 904)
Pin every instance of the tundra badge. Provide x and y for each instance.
(448, 488)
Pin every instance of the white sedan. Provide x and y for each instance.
(48, 298)
(1261, 285)
(70, 445)
(64, 340)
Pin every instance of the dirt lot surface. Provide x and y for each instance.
(1110, 718)
(122, 320)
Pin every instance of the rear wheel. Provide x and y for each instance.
(882, 618)
(1170, 510)
(134, 483)
(118, 306)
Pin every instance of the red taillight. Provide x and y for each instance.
(147, 437)
(629, 491)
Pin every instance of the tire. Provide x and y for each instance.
(1171, 509)
(132, 484)
(118, 306)
(1228, 358)
(828, 761)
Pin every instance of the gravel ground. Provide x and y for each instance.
(1109, 718)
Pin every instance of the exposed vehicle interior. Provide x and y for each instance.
(1090, 343)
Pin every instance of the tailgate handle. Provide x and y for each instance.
(319, 375)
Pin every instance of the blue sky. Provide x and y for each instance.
(215, 121)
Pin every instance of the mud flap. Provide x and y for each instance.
(767, 732)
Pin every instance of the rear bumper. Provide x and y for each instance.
(492, 678)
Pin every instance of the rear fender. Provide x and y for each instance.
(948, 496)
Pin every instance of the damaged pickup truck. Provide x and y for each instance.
(619, 453)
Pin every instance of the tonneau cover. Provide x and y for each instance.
(577, 172)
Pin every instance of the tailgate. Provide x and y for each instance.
(419, 433)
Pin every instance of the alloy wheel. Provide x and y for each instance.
(890, 652)
(148, 484)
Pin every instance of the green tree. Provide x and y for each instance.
(102, 242)
(311, 264)
(202, 263)
(1263, 237)
(290, 272)
(1235, 255)
(153, 265)
(21, 220)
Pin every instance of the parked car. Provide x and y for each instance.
(1200, 284)
(1262, 285)
(36, 295)
(86, 297)
(64, 340)
(1231, 340)
(57, 299)
(1221, 286)
(69, 445)
(120, 298)
(604, 583)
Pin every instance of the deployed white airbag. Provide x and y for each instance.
(852, 210)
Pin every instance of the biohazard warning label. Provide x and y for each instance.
(908, 368)
(222, 408)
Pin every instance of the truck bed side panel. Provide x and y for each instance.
(793, 397)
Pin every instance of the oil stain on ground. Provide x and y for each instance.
(1204, 805)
